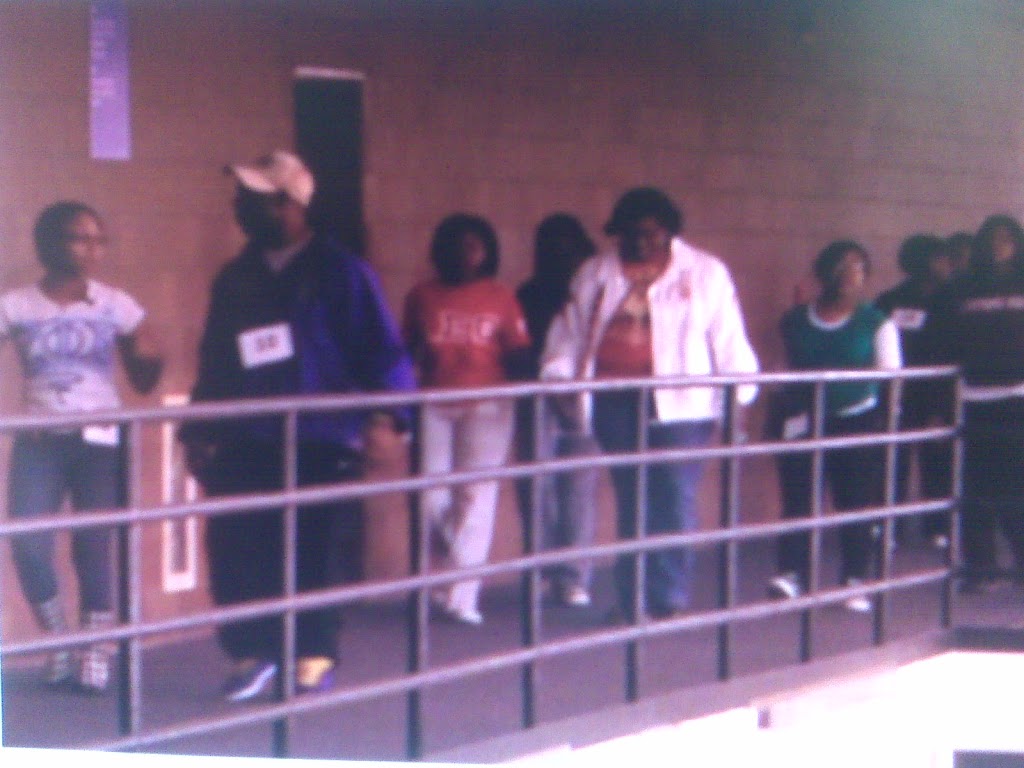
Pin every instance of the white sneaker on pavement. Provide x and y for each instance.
(860, 603)
(785, 586)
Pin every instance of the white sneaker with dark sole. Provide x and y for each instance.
(249, 680)
(785, 586)
(575, 596)
(860, 603)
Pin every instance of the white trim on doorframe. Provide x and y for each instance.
(179, 539)
(328, 73)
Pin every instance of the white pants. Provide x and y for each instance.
(455, 437)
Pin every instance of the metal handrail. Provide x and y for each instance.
(420, 673)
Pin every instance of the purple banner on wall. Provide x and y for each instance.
(110, 134)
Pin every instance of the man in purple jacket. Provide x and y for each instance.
(293, 314)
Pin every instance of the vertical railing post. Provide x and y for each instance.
(531, 579)
(817, 511)
(290, 540)
(953, 554)
(130, 589)
(639, 592)
(728, 570)
(2, 673)
(418, 614)
(887, 531)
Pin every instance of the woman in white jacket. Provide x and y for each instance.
(656, 306)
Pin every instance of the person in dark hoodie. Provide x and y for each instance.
(567, 501)
(978, 323)
(927, 264)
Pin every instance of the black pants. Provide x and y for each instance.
(934, 465)
(993, 483)
(245, 550)
(856, 478)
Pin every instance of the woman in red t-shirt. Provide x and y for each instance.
(464, 329)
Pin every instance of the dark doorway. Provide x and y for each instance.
(329, 136)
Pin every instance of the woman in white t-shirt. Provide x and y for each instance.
(66, 328)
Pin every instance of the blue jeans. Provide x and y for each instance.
(44, 469)
(671, 499)
(568, 500)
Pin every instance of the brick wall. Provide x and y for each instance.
(777, 126)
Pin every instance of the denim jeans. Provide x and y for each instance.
(44, 469)
(568, 500)
(671, 499)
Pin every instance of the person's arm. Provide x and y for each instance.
(568, 341)
(517, 346)
(412, 326)
(216, 349)
(375, 345)
(567, 338)
(142, 356)
(730, 348)
(888, 353)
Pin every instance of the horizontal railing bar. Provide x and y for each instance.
(369, 400)
(352, 593)
(512, 658)
(288, 407)
(362, 489)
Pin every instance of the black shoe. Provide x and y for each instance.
(977, 585)
(662, 612)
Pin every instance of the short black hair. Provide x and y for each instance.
(982, 258)
(917, 251)
(51, 227)
(828, 259)
(960, 240)
(560, 236)
(641, 203)
(446, 246)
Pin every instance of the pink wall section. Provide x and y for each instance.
(777, 126)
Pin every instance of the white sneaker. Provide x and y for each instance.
(470, 616)
(860, 603)
(785, 586)
(576, 596)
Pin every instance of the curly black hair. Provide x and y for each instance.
(982, 258)
(446, 246)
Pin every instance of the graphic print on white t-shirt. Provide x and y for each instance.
(68, 352)
(60, 354)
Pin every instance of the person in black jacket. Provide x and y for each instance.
(978, 323)
(568, 505)
(926, 262)
(293, 314)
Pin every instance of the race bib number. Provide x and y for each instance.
(796, 426)
(266, 345)
(909, 319)
(101, 434)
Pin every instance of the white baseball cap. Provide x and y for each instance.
(280, 171)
